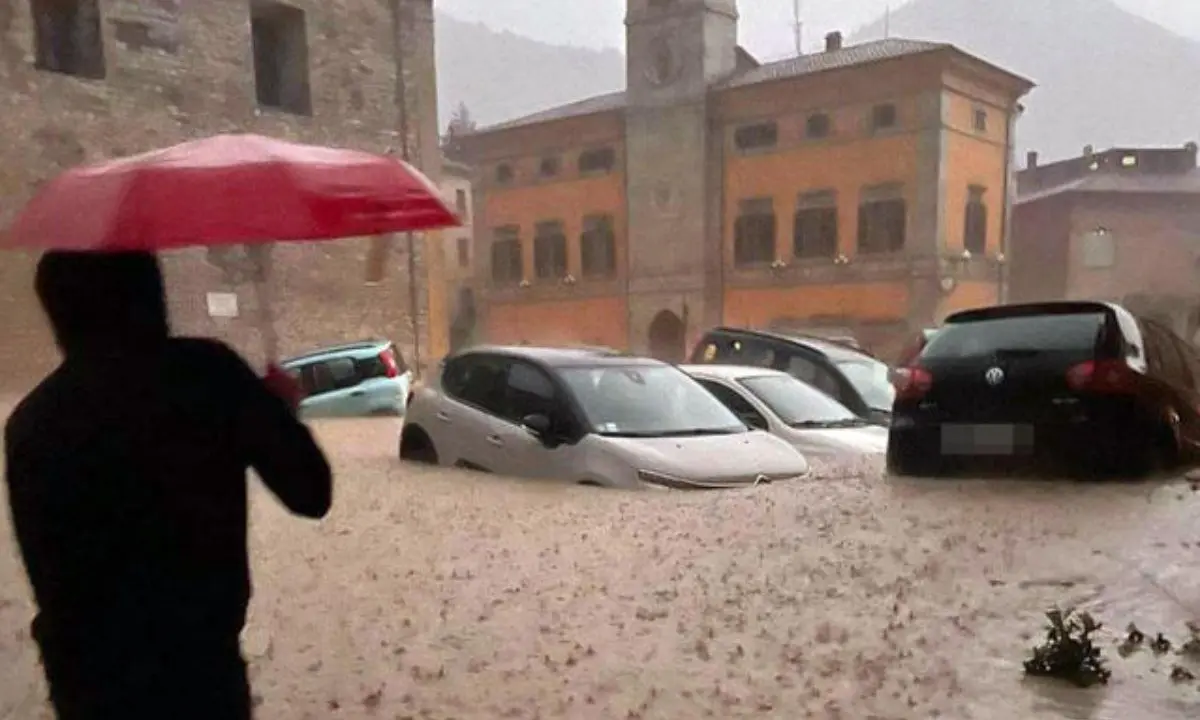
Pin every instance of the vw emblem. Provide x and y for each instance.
(994, 377)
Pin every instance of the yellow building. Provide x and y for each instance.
(861, 189)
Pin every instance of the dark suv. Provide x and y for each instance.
(849, 375)
(1083, 386)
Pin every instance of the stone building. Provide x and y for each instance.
(1120, 225)
(834, 191)
(83, 80)
(459, 255)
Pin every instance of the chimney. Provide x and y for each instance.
(1088, 151)
(1031, 159)
(1192, 150)
(833, 41)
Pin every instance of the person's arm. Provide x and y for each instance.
(277, 445)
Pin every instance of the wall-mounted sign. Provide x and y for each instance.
(222, 305)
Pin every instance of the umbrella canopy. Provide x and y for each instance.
(228, 190)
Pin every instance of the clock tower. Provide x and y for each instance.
(676, 50)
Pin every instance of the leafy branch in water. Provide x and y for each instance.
(1068, 652)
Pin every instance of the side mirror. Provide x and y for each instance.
(538, 425)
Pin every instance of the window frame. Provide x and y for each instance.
(542, 237)
(746, 249)
(506, 240)
(814, 210)
(596, 227)
(746, 140)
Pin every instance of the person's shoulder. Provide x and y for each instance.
(35, 410)
(212, 356)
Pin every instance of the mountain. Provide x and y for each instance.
(501, 76)
(1106, 77)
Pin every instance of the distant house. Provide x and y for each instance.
(1121, 225)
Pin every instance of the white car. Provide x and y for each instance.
(586, 416)
(813, 422)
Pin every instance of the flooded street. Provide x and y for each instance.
(443, 595)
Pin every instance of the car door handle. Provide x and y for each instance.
(495, 440)
(357, 393)
(443, 417)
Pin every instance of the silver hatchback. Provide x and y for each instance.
(590, 417)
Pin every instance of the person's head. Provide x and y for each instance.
(100, 301)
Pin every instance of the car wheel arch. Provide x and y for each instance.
(417, 445)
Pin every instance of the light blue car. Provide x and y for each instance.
(356, 380)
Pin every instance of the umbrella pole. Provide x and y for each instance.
(260, 260)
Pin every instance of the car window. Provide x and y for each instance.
(809, 371)
(647, 401)
(718, 349)
(872, 380)
(795, 402)
(1067, 332)
(733, 400)
(528, 392)
(477, 380)
(333, 374)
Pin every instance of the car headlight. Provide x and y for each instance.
(661, 481)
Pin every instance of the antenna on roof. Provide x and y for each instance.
(798, 27)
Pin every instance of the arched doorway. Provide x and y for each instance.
(667, 336)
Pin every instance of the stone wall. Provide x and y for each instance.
(175, 71)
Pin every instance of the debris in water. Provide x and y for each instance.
(1181, 674)
(1134, 639)
(1160, 645)
(1069, 652)
(1191, 647)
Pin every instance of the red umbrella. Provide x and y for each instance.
(228, 190)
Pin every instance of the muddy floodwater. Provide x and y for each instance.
(432, 594)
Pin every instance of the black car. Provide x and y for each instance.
(1076, 386)
(849, 375)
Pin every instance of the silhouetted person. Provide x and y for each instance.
(126, 470)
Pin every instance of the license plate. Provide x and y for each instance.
(996, 439)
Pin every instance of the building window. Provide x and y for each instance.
(975, 221)
(279, 36)
(882, 217)
(506, 256)
(550, 250)
(818, 126)
(464, 252)
(815, 234)
(599, 160)
(598, 246)
(504, 173)
(883, 117)
(548, 167)
(981, 119)
(754, 233)
(756, 137)
(1099, 249)
(67, 37)
(461, 206)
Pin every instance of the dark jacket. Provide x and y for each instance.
(126, 471)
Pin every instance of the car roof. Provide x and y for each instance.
(829, 348)
(563, 357)
(729, 372)
(362, 348)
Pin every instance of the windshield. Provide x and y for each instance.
(872, 380)
(648, 401)
(1072, 332)
(796, 403)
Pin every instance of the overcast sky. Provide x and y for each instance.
(765, 25)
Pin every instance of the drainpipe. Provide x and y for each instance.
(1009, 200)
(401, 93)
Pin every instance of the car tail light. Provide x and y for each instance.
(912, 382)
(1102, 376)
(388, 358)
